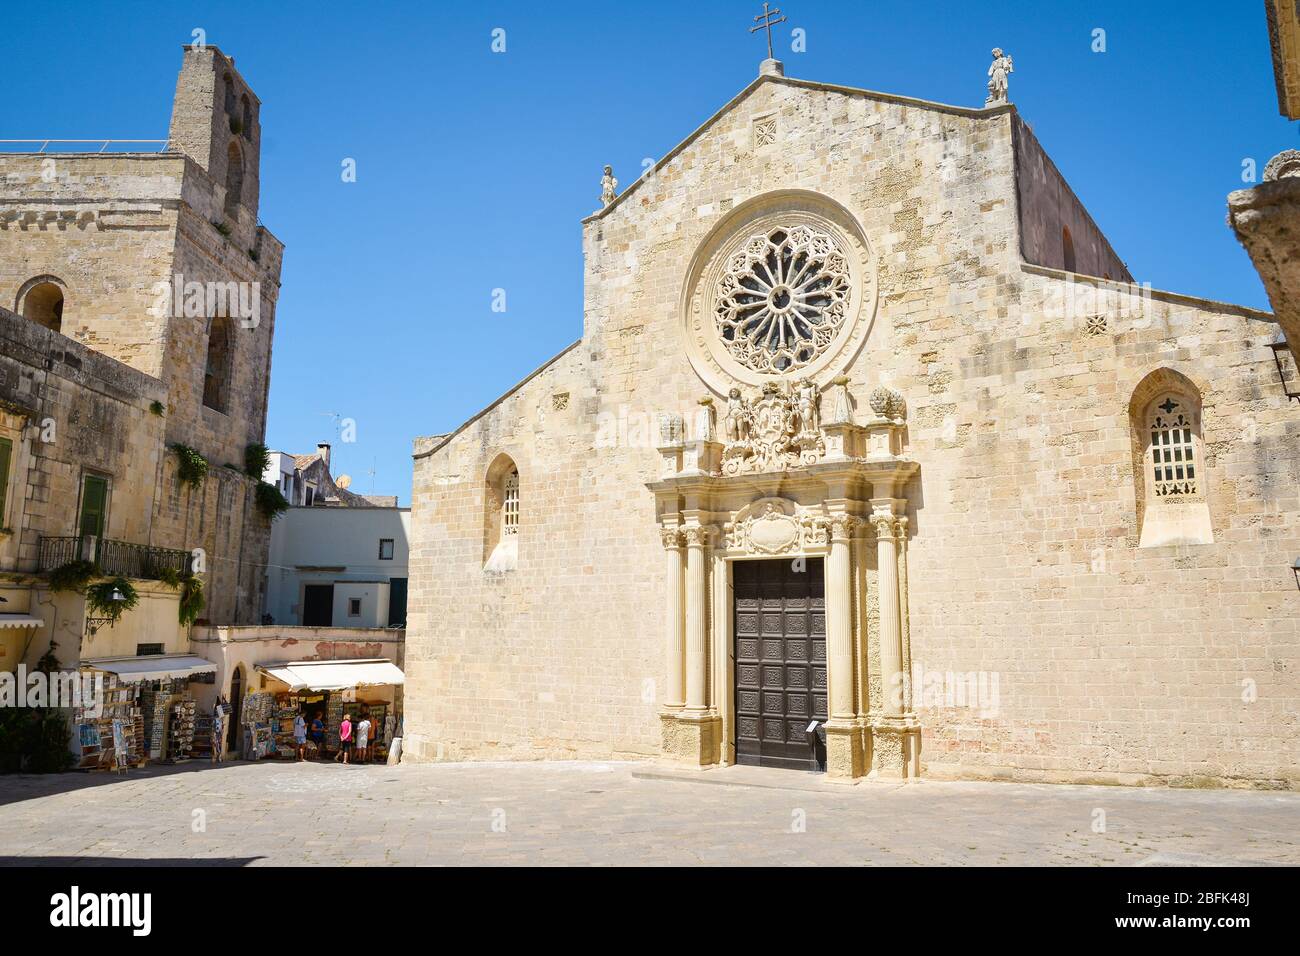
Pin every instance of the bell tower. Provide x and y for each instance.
(216, 122)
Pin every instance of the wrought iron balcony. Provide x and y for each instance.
(113, 557)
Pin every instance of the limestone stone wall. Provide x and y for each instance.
(129, 226)
(67, 409)
(104, 226)
(1112, 661)
(214, 107)
(128, 237)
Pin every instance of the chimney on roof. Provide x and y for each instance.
(323, 449)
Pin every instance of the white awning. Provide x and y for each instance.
(19, 620)
(153, 667)
(335, 675)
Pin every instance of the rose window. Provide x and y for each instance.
(782, 299)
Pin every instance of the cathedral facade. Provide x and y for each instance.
(873, 459)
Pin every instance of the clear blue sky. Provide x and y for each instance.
(474, 168)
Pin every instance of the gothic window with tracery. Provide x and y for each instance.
(1173, 463)
(510, 506)
(1173, 492)
(501, 515)
(783, 298)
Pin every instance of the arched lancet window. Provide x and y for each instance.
(1169, 460)
(1067, 249)
(234, 180)
(41, 300)
(501, 515)
(216, 372)
(229, 85)
(246, 117)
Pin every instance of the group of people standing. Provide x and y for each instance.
(355, 739)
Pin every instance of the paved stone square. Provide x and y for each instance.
(619, 813)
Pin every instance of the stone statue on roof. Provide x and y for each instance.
(998, 72)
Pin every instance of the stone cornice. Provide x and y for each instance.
(874, 471)
(1176, 298)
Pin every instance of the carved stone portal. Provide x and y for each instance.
(790, 480)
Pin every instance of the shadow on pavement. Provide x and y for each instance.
(109, 861)
(16, 787)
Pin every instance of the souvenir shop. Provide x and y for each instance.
(148, 713)
(330, 688)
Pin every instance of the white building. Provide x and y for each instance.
(306, 480)
(339, 567)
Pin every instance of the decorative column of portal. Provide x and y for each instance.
(674, 698)
(891, 733)
(843, 742)
(891, 633)
(697, 620)
(697, 723)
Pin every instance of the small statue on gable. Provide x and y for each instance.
(999, 70)
(608, 187)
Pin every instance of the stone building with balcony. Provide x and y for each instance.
(137, 306)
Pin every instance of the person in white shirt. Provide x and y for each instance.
(363, 739)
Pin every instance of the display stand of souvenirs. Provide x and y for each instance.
(333, 718)
(155, 699)
(201, 747)
(139, 721)
(255, 717)
(100, 747)
(286, 709)
(181, 730)
(377, 714)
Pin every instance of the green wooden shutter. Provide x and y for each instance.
(6, 455)
(94, 499)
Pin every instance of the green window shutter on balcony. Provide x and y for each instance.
(6, 454)
(94, 498)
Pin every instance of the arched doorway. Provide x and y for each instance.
(236, 706)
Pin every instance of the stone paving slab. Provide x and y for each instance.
(552, 813)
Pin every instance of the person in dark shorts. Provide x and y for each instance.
(317, 734)
(345, 740)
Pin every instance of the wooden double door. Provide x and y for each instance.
(780, 661)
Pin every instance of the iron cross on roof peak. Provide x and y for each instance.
(765, 21)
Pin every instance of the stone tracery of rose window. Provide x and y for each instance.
(783, 298)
